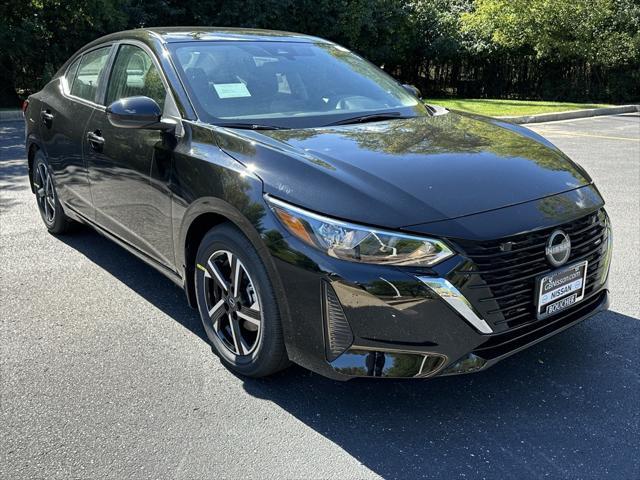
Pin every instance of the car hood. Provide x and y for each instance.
(403, 172)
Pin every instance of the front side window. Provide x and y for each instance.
(285, 83)
(87, 78)
(134, 74)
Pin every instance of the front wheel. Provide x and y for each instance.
(237, 304)
(51, 211)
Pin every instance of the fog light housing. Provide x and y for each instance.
(467, 364)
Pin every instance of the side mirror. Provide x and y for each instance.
(413, 90)
(137, 112)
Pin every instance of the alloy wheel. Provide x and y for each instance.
(232, 303)
(45, 192)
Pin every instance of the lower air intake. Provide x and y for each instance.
(338, 333)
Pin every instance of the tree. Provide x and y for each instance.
(37, 36)
(599, 32)
(572, 49)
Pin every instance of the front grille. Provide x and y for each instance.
(502, 278)
(506, 342)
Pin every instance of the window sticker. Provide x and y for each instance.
(231, 90)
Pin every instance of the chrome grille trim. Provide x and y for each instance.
(450, 294)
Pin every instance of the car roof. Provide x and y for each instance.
(181, 34)
(156, 36)
(188, 34)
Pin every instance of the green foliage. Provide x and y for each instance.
(569, 49)
(37, 36)
(600, 32)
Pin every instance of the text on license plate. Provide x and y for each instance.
(561, 289)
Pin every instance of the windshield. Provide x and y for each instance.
(286, 84)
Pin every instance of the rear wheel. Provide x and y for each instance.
(47, 198)
(237, 304)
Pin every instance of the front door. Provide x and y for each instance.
(129, 169)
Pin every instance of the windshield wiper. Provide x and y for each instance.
(373, 117)
(251, 126)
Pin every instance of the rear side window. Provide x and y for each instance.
(86, 82)
(69, 76)
(135, 74)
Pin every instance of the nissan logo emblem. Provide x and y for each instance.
(558, 248)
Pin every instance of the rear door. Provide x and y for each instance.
(129, 169)
(66, 108)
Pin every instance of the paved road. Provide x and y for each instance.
(105, 374)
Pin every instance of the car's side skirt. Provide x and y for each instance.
(166, 271)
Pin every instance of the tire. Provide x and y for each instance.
(49, 206)
(237, 304)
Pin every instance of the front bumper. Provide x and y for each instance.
(397, 363)
(395, 322)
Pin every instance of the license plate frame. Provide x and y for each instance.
(569, 289)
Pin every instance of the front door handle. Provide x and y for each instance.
(95, 140)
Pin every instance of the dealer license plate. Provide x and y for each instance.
(561, 289)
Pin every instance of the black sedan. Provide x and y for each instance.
(313, 208)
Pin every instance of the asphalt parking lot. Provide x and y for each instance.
(105, 373)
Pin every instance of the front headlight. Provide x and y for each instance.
(358, 243)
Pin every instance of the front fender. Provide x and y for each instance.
(210, 187)
(253, 229)
(225, 209)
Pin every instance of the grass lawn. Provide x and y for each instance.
(503, 108)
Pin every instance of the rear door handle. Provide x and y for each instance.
(95, 140)
(47, 117)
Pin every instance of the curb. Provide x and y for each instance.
(11, 115)
(587, 112)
